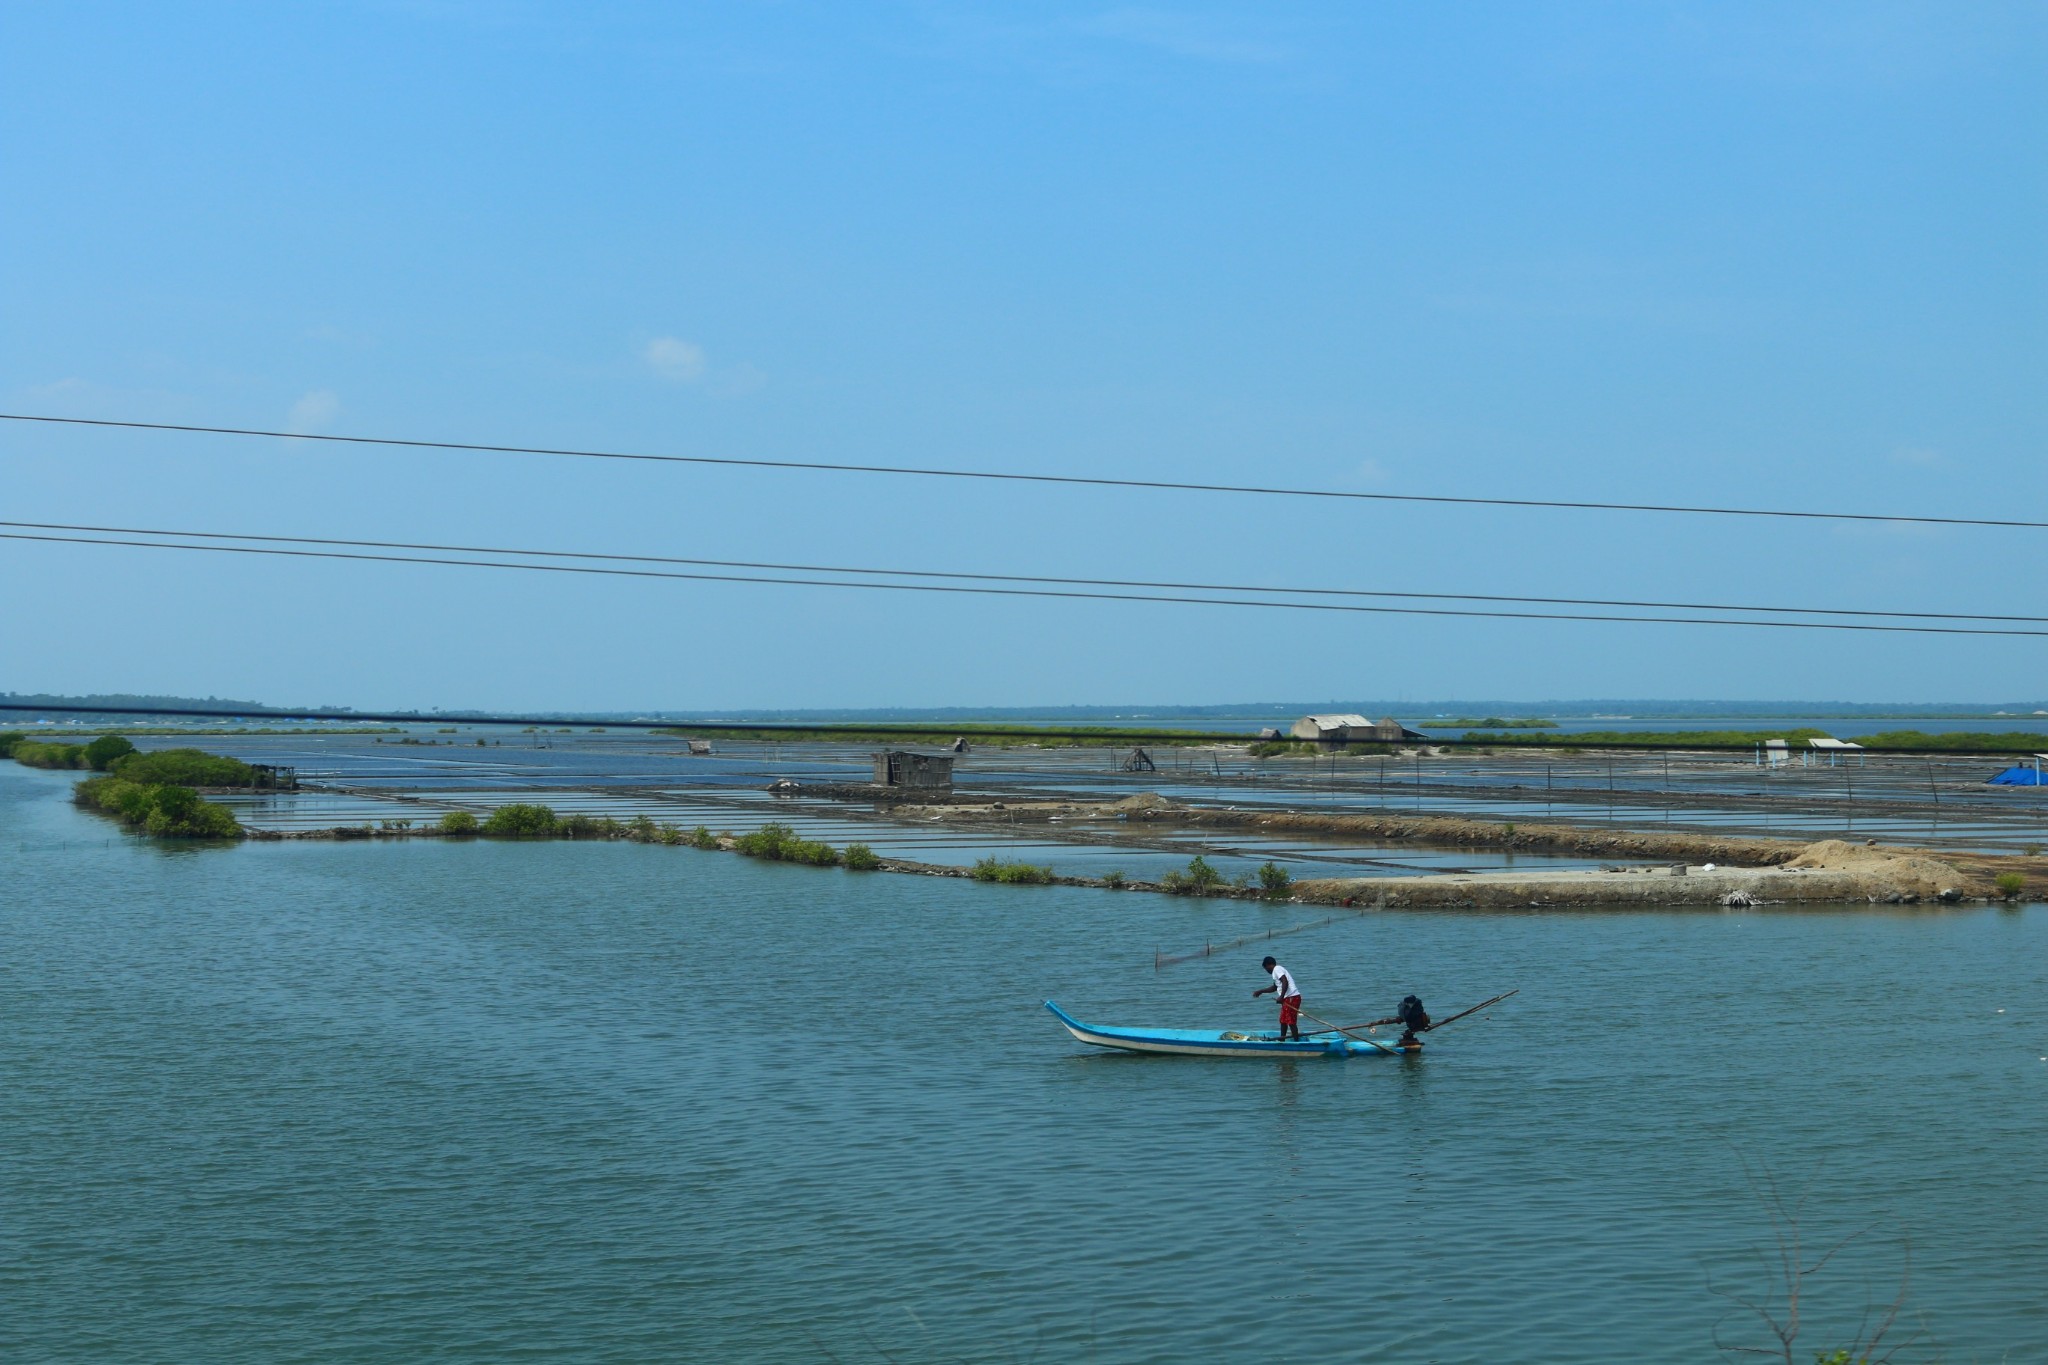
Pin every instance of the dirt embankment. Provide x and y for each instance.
(1798, 870)
(1828, 871)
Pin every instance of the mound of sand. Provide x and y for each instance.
(1144, 801)
(1904, 872)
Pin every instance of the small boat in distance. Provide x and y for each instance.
(1189, 1042)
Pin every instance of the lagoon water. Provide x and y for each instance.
(489, 1102)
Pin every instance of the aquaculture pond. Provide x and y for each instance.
(476, 1101)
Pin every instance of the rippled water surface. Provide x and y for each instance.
(477, 1101)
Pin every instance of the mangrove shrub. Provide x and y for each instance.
(36, 753)
(101, 753)
(186, 768)
(992, 869)
(779, 843)
(520, 821)
(861, 858)
(458, 822)
(162, 809)
(1200, 879)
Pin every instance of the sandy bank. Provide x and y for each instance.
(1826, 871)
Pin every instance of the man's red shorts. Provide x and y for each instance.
(1290, 1012)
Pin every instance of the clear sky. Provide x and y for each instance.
(1779, 254)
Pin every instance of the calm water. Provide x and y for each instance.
(571, 1102)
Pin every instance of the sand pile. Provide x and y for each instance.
(1887, 872)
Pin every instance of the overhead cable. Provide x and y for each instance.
(1025, 578)
(1016, 477)
(1064, 594)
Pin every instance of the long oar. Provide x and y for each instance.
(1329, 1027)
(1474, 1010)
(1395, 1018)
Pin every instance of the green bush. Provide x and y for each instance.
(520, 821)
(101, 753)
(186, 768)
(777, 842)
(861, 858)
(1276, 880)
(580, 827)
(1114, 880)
(2010, 884)
(161, 809)
(767, 841)
(993, 869)
(458, 822)
(702, 837)
(1199, 879)
(8, 739)
(34, 753)
(1273, 748)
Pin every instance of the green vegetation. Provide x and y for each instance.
(702, 837)
(187, 768)
(1687, 739)
(520, 821)
(32, 753)
(993, 869)
(985, 734)
(1493, 723)
(2008, 741)
(1276, 880)
(1274, 748)
(101, 753)
(8, 739)
(861, 858)
(1114, 879)
(162, 809)
(2010, 884)
(779, 843)
(458, 823)
(1199, 879)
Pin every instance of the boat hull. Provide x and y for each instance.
(1187, 1042)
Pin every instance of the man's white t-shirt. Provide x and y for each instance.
(1285, 981)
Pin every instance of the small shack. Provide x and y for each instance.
(1350, 728)
(902, 768)
(1140, 762)
(700, 746)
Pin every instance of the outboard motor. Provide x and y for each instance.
(1413, 1018)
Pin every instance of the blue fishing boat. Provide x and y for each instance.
(1191, 1042)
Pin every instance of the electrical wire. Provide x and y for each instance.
(1024, 578)
(964, 589)
(1013, 477)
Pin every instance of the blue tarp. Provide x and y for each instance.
(2017, 777)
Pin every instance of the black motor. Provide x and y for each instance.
(1414, 1018)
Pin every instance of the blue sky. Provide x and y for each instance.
(1773, 254)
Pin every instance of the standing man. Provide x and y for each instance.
(1290, 998)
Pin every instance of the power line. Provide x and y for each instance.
(1013, 477)
(1023, 578)
(1064, 594)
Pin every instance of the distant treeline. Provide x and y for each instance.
(2009, 741)
(985, 734)
(1491, 723)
